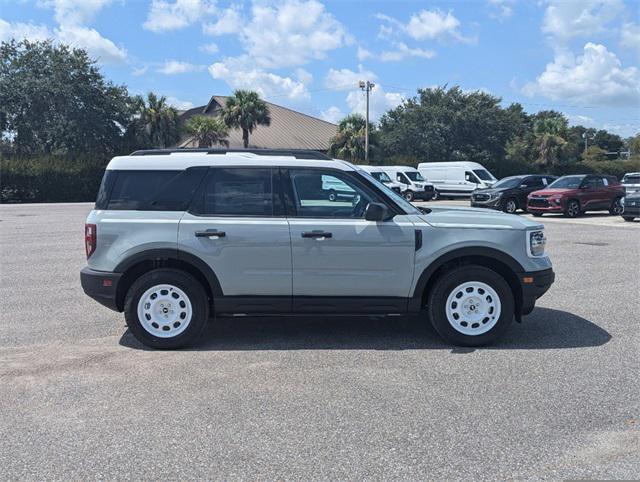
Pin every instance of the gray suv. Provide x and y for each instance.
(177, 236)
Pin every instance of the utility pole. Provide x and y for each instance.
(586, 138)
(366, 87)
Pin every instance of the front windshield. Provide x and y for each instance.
(483, 175)
(567, 182)
(508, 182)
(381, 176)
(397, 198)
(414, 176)
(631, 179)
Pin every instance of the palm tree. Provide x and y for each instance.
(208, 131)
(348, 143)
(158, 122)
(246, 110)
(549, 138)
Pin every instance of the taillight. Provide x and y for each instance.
(90, 239)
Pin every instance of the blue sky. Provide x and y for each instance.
(579, 57)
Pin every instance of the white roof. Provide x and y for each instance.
(183, 160)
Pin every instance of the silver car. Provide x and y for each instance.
(178, 236)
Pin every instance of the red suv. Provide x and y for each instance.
(574, 195)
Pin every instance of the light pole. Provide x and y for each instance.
(586, 138)
(366, 86)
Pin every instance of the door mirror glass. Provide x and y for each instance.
(376, 212)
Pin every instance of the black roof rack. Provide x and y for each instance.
(297, 153)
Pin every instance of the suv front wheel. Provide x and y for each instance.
(471, 306)
(166, 308)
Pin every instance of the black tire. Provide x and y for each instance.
(436, 195)
(537, 215)
(333, 196)
(510, 206)
(408, 195)
(185, 282)
(628, 218)
(572, 210)
(616, 207)
(436, 304)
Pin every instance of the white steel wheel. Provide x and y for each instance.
(164, 311)
(473, 308)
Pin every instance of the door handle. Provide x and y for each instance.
(316, 234)
(210, 233)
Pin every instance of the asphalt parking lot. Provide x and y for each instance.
(318, 398)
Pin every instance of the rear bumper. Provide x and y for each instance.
(534, 284)
(102, 286)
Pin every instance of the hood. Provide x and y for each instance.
(490, 190)
(553, 192)
(464, 217)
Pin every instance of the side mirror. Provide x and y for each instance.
(376, 212)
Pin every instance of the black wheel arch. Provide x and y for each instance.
(137, 264)
(499, 261)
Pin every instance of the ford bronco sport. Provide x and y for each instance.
(179, 235)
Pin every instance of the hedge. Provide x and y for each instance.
(49, 179)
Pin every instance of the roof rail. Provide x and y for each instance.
(297, 153)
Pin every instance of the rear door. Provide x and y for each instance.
(342, 262)
(590, 193)
(237, 225)
(529, 185)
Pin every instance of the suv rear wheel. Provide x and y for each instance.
(166, 308)
(510, 206)
(471, 306)
(616, 207)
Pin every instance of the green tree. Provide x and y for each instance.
(349, 141)
(594, 154)
(208, 131)
(54, 100)
(245, 110)
(156, 124)
(549, 132)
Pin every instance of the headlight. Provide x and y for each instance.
(536, 243)
(496, 195)
(622, 202)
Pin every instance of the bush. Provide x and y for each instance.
(49, 179)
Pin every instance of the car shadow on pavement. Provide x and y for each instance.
(544, 329)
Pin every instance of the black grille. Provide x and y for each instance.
(480, 197)
(428, 188)
(537, 202)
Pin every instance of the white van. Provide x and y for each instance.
(378, 174)
(457, 179)
(413, 184)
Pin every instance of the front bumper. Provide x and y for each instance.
(490, 204)
(631, 211)
(533, 284)
(102, 286)
(552, 208)
(426, 195)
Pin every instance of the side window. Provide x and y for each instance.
(605, 181)
(150, 190)
(536, 182)
(470, 177)
(327, 194)
(237, 192)
(401, 178)
(590, 183)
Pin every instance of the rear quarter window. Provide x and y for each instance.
(150, 190)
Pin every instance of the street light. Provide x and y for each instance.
(366, 86)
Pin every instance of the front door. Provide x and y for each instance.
(237, 225)
(342, 262)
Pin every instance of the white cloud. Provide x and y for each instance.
(172, 67)
(333, 114)
(501, 9)
(242, 73)
(138, 71)
(402, 51)
(228, 22)
(595, 77)
(565, 19)
(210, 48)
(100, 48)
(425, 25)
(71, 17)
(179, 104)
(165, 16)
(346, 79)
(630, 35)
(304, 76)
(379, 101)
(20, 31)
(74, 12)
(363, 54)
(292, 32)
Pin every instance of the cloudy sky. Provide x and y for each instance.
(581, 57)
